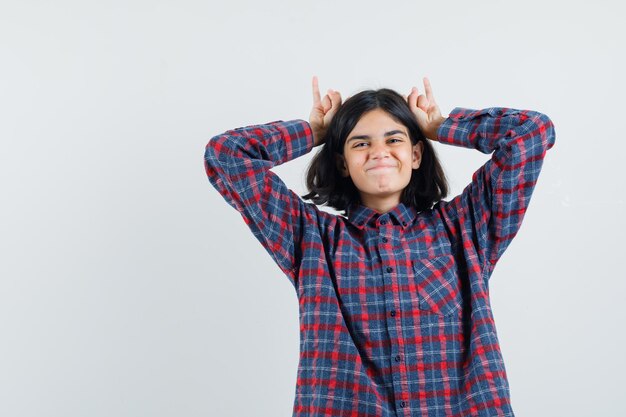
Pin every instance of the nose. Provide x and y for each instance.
(379, 150)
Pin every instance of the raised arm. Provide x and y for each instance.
(495, 202)
(498, 196)
(238, 164)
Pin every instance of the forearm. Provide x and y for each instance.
(498, 196)
(237, 161)
(238, 165)
(497, 127)
(275, 143)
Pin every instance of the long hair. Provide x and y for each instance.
(324, 181)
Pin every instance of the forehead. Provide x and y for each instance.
(376, 122)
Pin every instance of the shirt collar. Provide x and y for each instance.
(360, 215)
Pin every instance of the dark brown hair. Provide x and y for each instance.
(324, 181)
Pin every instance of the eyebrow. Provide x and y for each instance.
(390, 133)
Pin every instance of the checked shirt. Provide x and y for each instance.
(394, 310)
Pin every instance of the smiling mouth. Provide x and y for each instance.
(381, 167)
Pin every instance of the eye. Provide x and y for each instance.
(389, 141)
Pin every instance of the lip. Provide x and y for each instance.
(380, 167)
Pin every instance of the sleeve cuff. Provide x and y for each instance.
(297, 137)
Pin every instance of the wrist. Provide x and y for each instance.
(434, 128)
(318, 138)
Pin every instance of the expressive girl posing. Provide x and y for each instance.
(394, 309)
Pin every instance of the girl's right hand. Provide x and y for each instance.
(322, 112)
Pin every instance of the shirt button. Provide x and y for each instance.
(383, 222)
(403, 223)
(389, 269)
(393, 313)
(385, 240)
(402, 404)
(397, 358)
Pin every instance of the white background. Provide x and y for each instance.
(128, 287)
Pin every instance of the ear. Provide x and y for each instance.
(341, 165)
(417, 154)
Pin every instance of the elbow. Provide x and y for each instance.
(214, 163)
(548, 134)
(211, 157)
(542, 128)
(212, 150)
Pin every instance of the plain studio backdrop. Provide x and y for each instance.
(128, 287)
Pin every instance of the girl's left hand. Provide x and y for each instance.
(426, 111)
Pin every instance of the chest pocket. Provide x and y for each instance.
(438, 285)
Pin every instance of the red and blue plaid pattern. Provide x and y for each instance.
(395, 318)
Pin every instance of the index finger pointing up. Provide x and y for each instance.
(429, 91)
(316, 91)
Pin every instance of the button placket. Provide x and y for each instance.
(384, 239)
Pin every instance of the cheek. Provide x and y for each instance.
(354, 161)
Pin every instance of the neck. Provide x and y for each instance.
(381, 205)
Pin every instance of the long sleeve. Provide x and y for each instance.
(498, 196)
(238, 164)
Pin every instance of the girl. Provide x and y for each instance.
(394, 309)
